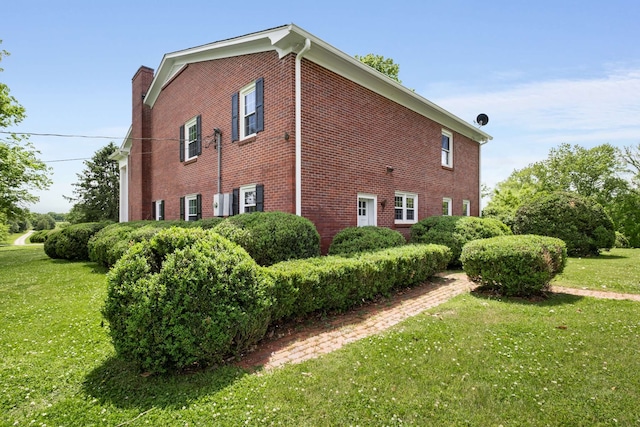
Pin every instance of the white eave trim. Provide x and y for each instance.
(290, 39)
(122, 153)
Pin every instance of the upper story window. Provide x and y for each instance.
(191, 139)
(446, 206)
(466, 208)
(447, 149)
(406, 207)
(247, 111)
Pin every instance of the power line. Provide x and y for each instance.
(59, 135)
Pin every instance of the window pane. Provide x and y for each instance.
(445, 157)
(193, 207)
(410, 214)
(399, 201)
(445, 142)
(399, 214)
(445, 207)
(250, 103)
(250, 124)
(409, 202)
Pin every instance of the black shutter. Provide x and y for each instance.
(199, 135)
(199, 206)
(234, 117)
(153, 210)
(260, 197)
(260, 105)
(182, 208)
(235, 204)
(182, 143)
(161, 210)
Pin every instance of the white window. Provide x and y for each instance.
(248, 117)
(367, 210)
(191, 139)
(446, 206)
(248, 199)
(191, 207)
(159, 213)
(447, 149)
(466, 208)
(406, 208)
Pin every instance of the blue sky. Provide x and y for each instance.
(545, 72)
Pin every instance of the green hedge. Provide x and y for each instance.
(354, 240)
(514, 265)
(337, 283)
(186, 297)
(580, 222)
(72, 242)
(110, 243)
(40, 236)
(271, 237)
(455, 231)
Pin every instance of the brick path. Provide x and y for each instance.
(297, 342)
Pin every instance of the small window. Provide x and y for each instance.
(406, 205)
(446, 206)
(191, 207)
(190, 139)
(447, 149)
(466, 208)
(247, 111)
(159, 210)
(248, 199)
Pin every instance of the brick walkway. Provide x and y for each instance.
(297, 342)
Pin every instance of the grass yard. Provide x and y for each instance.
(616, 271)
(472, 361)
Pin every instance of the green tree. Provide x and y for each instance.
(597, 173)
(97, 192)
(384, 65)
(20, 170)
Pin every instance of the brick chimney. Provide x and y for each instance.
(139, 157)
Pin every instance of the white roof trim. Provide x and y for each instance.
(290, 38)
(123, 152)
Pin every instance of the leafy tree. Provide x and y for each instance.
(97, 192)
(20, 170)
(384, 65)
(631, 156)
(44, 222)
(597, 173)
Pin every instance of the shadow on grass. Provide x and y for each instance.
(601, 257)
(119, 383)
(547, 300)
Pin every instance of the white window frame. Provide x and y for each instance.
(247, 90)
(449, 203)
(157, 212)
(466, 208)
(187, 212)
(405, 208)
(447, 155)
(193, 123)
(243, 202)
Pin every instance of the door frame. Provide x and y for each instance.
(372, 207)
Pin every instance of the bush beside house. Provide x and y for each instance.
(455, 231)
(71, 242)
(354, 240)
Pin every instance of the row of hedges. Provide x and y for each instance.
(40, 236)
(192, 297)
(356, 240)
(71, 242)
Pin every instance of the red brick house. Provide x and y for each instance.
(280, 120)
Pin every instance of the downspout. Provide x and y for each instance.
(298, 77)
(480, 176)
(217, 135)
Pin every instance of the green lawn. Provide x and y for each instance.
(472, 361)
(617, 271)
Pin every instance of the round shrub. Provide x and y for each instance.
(621, 241)
(354, 240)
(514, 265)
(186, 297)
(72, 242)
(271, 237)
(455, 231)
(580, 222)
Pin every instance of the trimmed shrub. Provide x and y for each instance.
(514, 265)
(338, 283)
(271, 237)
(110, 243)
(621, 241)
(354, 240)
(186, 297)
(455, 231)
(39, 236)
(72, 242)
(581, 223)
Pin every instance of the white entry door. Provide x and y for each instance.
(366, 211)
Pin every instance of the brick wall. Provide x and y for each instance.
(350, 135)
